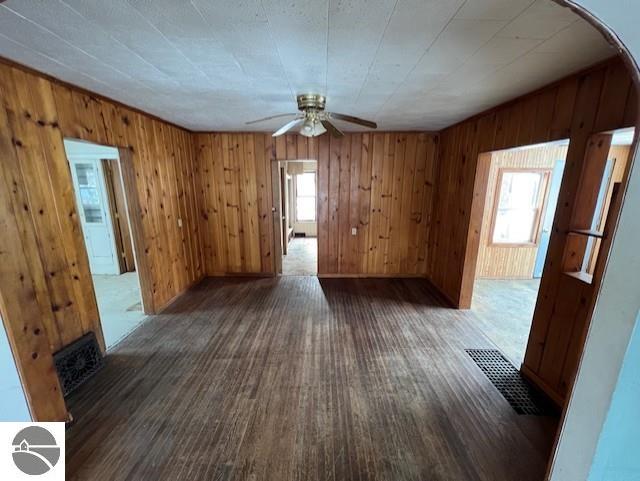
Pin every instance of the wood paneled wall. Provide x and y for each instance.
(235, 202)
(596, 100)
(46, 294)
(506, 261)
(380, 183)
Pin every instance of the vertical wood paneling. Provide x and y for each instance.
(46, 294)
(380, 184)
(22, 295)
(235, 213)
(598, 99)
(323, 202)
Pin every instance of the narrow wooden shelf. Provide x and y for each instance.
(587, 232)
(581, 276)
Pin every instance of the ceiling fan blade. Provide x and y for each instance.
(333, 130)
(286, 127)
(269, 118)
(354, 120)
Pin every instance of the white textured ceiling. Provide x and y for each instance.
(215, 64)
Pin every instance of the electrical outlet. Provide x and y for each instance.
(354, 231)
(180, 223)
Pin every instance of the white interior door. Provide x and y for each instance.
(93, 208)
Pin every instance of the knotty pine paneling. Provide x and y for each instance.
(46, 294)
(596, 100)
(235, 202)
(379, 183)
(511, 262)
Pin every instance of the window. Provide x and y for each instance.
(89, 193)
(519, 203)
(306, 197)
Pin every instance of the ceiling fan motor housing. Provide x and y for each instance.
(311, 102)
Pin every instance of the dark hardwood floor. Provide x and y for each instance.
(297, 378)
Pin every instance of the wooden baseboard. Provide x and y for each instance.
(442, 297)
(514, 278)
(551, 393)
(370, 276)
(240, 274)
(174, 298)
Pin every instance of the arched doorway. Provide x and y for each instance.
(613, 319)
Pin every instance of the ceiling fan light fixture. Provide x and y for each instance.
(313, 120)
(311, 127)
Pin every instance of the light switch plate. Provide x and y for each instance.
(354, 231)
(179, 222)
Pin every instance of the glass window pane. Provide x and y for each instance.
(519, 189)
(306, 184)
(86, 174)
(92, 215)
(306, 197)
(514, 226)
(89, 193)
(89, 196)
(519, 199)
(306, 208)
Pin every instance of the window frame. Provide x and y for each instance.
(541, 208)
(314, 196)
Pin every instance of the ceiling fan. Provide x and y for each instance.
(312, 120)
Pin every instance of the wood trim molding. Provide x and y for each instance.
(480, 187)
(370, 276)
(137, 230)
(240, 275)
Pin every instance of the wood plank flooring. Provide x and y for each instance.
(296, 378)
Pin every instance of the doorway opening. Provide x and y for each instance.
(298, 189)
(102, 207)
(522, 193)
(521, 196)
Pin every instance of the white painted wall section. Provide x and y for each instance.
(13, 404)
(615, 316)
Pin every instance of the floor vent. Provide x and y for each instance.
(524, 399)
(77, 362)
